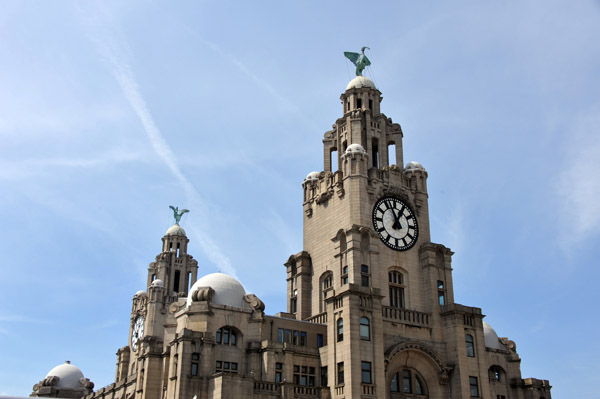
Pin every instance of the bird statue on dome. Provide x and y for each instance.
(360, 60)
(178, 213)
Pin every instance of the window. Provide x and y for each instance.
(281, 335)
(340, 373)
(474, 387)
(319, 340)
(441, 293)
(370, 104)
(358, 103)
(226, 367)
(365, 333)
(324, 376)
(334, 159)
(328, 281)
(195, 363)
(396, 286)
(340, 330)
(226, 336)
(375, 153)
(302, 338)
(364, 275)
(470, 346)
(344, 275)
(366, 372)
(408, 381)
(293, 305)
(278, 372)
(495, 373)
(296, 337)
(176, 280)
(304, 375)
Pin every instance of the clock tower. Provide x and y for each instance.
(370, 272)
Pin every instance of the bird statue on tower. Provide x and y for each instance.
(360, 60)
(178, 213)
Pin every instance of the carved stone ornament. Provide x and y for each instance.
(173, 308)
(203, 294)
(86, 383)
(255, 303)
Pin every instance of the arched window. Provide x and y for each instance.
(496, 374)
(326, 286)
(227, 336)
(396, 289)
(365, 329)
(470, 345)
(408, 381)
(340, 329)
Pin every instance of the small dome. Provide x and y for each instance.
(353, 148)
(228, 291)
(491, 338)
(361, 81)
(140, 293)
(414, 165)
(68, 375)
(312, 176)
(176, 230)
(157, 283)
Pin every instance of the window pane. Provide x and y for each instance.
(440, 284)
(226, 336)
(418, 386)
(194, 368)
(441, 298)
(319, 340)
(280, 335)
(219, 336)
(364, 269)
(366, 372)
(233, 337)
(474, 386)
(406, 382)
(394, 386)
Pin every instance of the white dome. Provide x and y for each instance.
(312, 176)
(68, 375)
(414, 165)
(140, 293)
(176, 230)
(491, 338)
(157, 283)
(352, 148)
(361, 81)
(228, 291)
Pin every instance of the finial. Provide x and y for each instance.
(360, 60)
(177, 213)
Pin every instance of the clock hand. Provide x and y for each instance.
(397, 225)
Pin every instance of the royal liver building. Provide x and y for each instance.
(370, 307)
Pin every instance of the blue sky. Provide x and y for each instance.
(112, 111)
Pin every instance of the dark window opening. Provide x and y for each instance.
(340, 330)
(375, 152)
(340, 373)
(304, 375)
(365, 329)
(396, 289)
(344, 275)
(359, 103)
(370, 104)
(226, 367)
(319, 340)
(176, 281)
(364, 275)
(366, 372)
(226, 336)
(470, 345)
(474, 387)
(324, 376)
(278, 372)
(195, 363)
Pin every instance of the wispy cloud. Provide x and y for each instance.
(113, 52)
(578, 185)
(282, 231)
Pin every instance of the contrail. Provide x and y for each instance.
(109, 48)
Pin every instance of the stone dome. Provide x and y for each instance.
(312, 176)
(361, 81)
(355, 148)
(491, 338)
(157, 283)
(228, 291)
(176, 230)
(414, 165)
(69, 376)
(140, 293)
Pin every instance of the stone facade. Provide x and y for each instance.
(365, 318)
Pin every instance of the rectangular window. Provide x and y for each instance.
(319, 340)
(474, 386)
(296, 337)
(364, 277)
(288, 336)
(324, 381)
(278, 372)
(194, 368)
(345, 275)
(280, 335)
(302, 338)
(340, 373)
(406, 381)
(304, 376)
(226, 367)
(366, 372)
(441, 293)
(195, 364)
(293, 305)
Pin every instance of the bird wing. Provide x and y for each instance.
(173, 208)
(352, 56)
(367, 62)
(181, 212)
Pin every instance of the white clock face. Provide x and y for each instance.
(395, 223)
(137, 333)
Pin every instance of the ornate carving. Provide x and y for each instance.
(203, 294)
(255, 303)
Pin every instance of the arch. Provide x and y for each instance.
(325, 285)
(228, 335)
(421, 358)
(497, 373)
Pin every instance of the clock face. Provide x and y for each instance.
(395, 223)
(137, 333)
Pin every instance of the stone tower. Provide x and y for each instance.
(371, 274)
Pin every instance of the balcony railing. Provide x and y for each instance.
(321, 318)
(406, 316)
